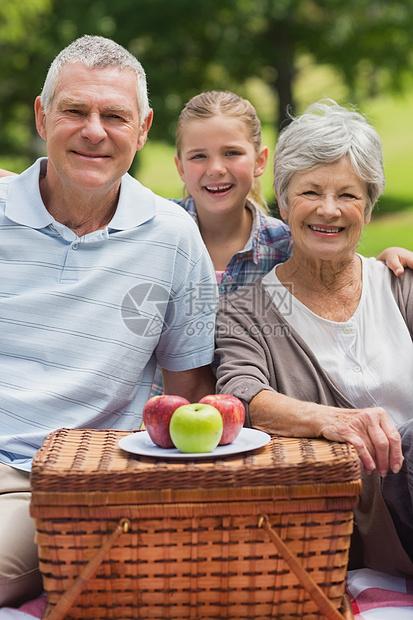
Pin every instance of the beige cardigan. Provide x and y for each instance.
(256, 349)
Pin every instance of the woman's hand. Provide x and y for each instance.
(372, 433)
(370, 430)
(397, 259)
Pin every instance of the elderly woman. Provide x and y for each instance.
(322, 345)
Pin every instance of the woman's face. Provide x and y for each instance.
(327, 210)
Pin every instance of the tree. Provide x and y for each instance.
(188, 46)
(20, 49)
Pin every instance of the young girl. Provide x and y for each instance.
(220, 159)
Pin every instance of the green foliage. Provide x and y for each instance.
(157, 169)
(188, 46)
(19, 44)
(386, 231)
(15, 17)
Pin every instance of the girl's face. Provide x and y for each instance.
(218, 163)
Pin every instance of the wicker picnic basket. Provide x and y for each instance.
(264, 534)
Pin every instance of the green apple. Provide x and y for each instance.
(196, 428)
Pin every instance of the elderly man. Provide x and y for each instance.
(100, 281)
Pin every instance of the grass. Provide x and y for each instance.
(385, 231)
(391, 116)
(157, 169)
(392, 222)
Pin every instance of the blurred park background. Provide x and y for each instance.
(277, 53)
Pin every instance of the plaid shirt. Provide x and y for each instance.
(270, 243)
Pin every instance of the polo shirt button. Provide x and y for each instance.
(347, 330)
(357, 368)
(75, 246)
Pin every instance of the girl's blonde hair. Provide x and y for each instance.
(213, 103)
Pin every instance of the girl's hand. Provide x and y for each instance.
(397, 259)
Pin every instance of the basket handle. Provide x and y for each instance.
(59, 611)
(320, 599)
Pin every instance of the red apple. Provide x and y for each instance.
(157, 414)
(232, 412)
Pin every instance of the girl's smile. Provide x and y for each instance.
(219, 189)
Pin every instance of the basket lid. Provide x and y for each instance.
(79, 460)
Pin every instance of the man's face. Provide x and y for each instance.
(93, 128)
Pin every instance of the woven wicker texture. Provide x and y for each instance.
(194, 548)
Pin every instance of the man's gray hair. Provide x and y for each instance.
(96, 53)
(323, 134)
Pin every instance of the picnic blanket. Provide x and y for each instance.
(373, 596)
(377, 596)
(28, 611)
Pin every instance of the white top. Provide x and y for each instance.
(370, 356)
(83, 321)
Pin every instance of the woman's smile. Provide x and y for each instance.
(327, 230)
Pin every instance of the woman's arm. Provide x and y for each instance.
(6, 173)
(370, 431)
(265, 364)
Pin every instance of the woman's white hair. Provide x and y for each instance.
(96, 53)
(323, 134)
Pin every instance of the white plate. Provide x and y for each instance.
(142, 444)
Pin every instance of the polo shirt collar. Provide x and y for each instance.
(24, 204)
(137, 205)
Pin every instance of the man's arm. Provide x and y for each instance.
(191, 384)
(397, 259)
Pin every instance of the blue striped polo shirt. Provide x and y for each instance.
(83, 321)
